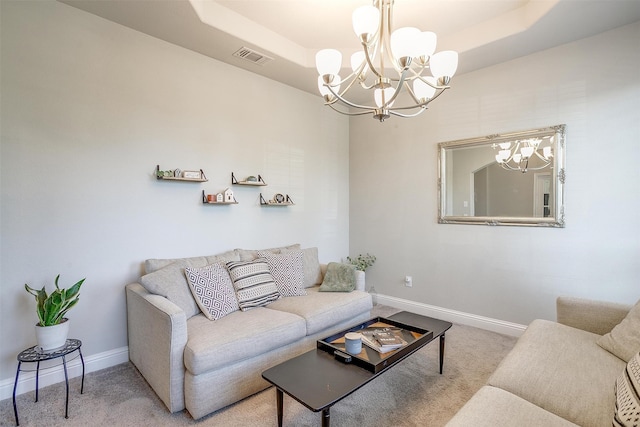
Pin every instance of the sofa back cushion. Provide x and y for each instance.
(251, 254)
(624, 338)
(171, 283)
(153, 264)
(168, 279)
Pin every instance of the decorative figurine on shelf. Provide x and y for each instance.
(219, 198)
(252, 179)
(228, 196)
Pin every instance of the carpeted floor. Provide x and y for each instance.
(412, 393)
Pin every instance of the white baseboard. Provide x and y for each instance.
(487, 323)
(27, 380)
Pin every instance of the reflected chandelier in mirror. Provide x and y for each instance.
(506, 179)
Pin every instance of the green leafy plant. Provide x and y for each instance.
(362, 262)
(52, 308)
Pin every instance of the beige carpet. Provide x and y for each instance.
(412, 393)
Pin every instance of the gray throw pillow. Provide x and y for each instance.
(339, 278)
(212, 289)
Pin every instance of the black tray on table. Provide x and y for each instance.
(369, 358)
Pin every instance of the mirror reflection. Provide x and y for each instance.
(507, 179)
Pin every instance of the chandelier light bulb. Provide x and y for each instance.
(526, 152)
(444, 64)
(505, 145)
(366, 20)
(378, 95)
(422, 90)
(405, 43)
(546, 152)
(328, 61)
(356, 61)
(324, 90)
(427, 41)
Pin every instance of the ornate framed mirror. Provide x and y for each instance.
(507, 179)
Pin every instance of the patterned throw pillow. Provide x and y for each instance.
(253, 282)
(288, 272)
(627, 400)
(212, 289)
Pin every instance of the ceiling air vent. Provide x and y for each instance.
(252, 56)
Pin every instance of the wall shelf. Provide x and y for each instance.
(202, 178)
(258, 183)
(206, 202)
(286, 202)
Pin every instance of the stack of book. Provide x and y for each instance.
(383, 340)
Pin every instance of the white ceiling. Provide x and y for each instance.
(484, 32)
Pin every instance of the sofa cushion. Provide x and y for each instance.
(322, 310)
(624, 338)
(627, 398)
(171, 283)
(287, 271)
(491, 407)
(251, 254)
(253, 282)
(562, 370)
(153, 264)
(212, 289)
(339, 278)
(238, 336)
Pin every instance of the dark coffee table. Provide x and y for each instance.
(318, 381)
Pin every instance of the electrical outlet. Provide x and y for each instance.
(408, 281)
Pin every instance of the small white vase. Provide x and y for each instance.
(52, 337)
(360, 278)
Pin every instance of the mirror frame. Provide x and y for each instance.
(558, 178)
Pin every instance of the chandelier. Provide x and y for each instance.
(407, 53)
(525, 154)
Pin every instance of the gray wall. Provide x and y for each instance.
(89, 108)
(510, 273)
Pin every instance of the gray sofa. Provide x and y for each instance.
(559, 373)
(203, 365)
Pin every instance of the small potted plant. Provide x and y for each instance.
(52, 328)
(362, 262)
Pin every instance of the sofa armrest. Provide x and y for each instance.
(599, 317)
(157, 336)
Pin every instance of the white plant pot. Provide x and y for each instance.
(52, 337)
(360, 278)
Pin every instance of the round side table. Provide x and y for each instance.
(33, 355)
